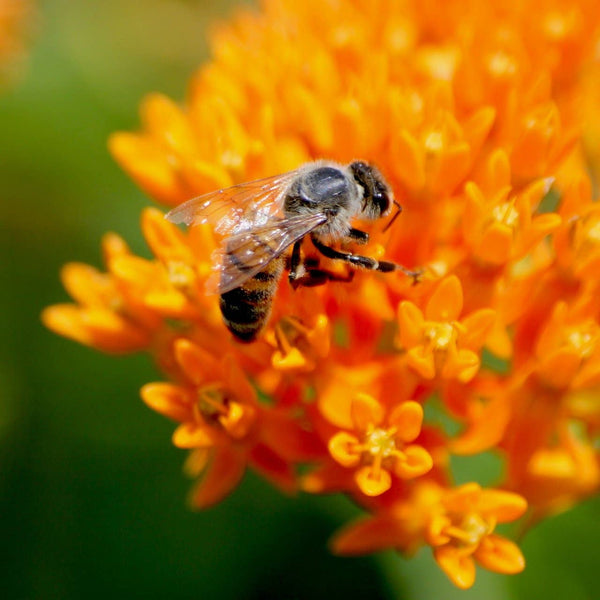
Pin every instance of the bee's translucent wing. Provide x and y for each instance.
(237, 208)
(248, 252)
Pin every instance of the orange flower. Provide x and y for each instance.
(472, 111)
(500, 225)
(568, 350)
(457, 523)
(106, 317)
(222, 422)
(461, 533)
(13, 17)
(436, 342)
(379, 446)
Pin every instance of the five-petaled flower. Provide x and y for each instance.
(380, 445)
(436, 341)
(461, 532)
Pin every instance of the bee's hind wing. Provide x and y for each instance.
(245, 254)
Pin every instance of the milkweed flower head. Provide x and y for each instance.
(473, 112)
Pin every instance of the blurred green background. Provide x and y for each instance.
(91, 490)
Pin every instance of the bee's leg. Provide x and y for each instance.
(297, 269)
(358, 236)
(315, 277)
(363, 262)
(308, 273)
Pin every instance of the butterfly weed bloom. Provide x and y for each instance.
(472, 112)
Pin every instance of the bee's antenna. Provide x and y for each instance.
(391, 221)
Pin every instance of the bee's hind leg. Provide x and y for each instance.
(364, 262)
(308, 274)
(314, 277)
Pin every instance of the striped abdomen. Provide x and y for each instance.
(246, 309)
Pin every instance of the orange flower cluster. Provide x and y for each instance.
(13, 14)
(473, 111)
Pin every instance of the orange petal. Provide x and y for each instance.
(503, 506)
(408, 160)
(237, 381)
(196, 462)
(148, 165)
(327, 478)
(589, 374)
(372, 484)
(421, 361)
(86, 285)
(369, 535)
(167, 399)
(408, 419)
(478, 324)
(365, 411)
(166, 241)
(453, 166)
(463, 498)
(500, 555)
(292, 441)
(486, 431)
(95, 327)
(203, 176)
(274, 468)
(542, 225)
(477, 128)
(224, 472)
(498, 170)
(290, 361)
(165, 120)
(191, 435)
(496, 244)
(198, 364)
(435, 534)
(417, 462)
(239, 419)
(459, 568)
(559, 368)
(463, 365)
(113, 245)
(341, 447)
(410, 321)
(446, 302)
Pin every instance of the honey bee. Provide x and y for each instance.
(260, 220)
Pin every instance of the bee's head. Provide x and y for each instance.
(378, 196)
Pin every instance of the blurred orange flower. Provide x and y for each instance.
(14, 15)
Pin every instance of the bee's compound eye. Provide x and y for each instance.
(381, 198)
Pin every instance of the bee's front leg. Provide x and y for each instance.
(364, 262)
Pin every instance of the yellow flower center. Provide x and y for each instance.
(211, 401)
(582, 341)
(180, 274)
(441, 335)
(506, 214)
(434, 142)
(501, 63)
(555, 25)
(471, 530)
(381, 442)
(475, 528)
(593, 233)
